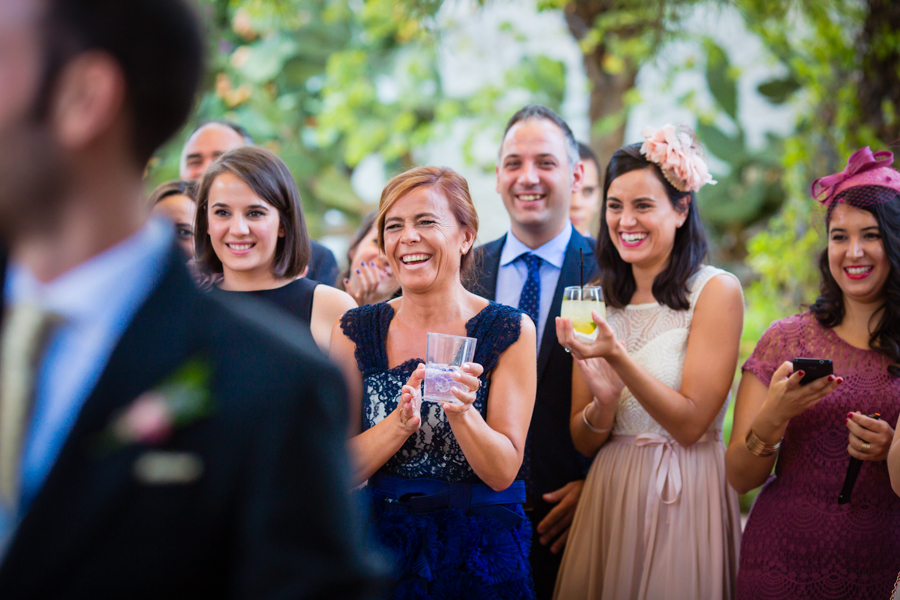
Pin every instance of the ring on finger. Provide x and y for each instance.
(865, 447)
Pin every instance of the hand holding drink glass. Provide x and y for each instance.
(586, 336)
(449, 366)
(577, 304)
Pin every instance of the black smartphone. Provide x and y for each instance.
(813, 368)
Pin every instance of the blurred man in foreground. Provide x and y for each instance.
(153, 443)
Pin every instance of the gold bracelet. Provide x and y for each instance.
(591, 427)
(757, 447)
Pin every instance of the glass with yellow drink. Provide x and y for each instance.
(577, 304)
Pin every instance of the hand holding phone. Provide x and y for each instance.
(813, 368)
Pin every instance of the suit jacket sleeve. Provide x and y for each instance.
(298, 539)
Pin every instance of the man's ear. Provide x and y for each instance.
(577, 177)
(89, 98)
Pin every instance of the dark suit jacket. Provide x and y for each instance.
(268, 517)
(553, 459)
(322, 265)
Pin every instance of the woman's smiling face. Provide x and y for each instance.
(243, 228)
(856, 256)
(423, 240)
(641, 219)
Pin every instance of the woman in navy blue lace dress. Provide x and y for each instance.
(443, 484)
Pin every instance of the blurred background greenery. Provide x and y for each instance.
(328, 84)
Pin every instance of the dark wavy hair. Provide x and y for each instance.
(670, 286)
(829, 307)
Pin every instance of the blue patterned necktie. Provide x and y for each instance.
(530, 300)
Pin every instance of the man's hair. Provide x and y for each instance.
(538, 111)
(158, 44)
(245, 135)
(586, 153)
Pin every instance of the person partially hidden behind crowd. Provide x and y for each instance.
(442, 485)
(209, 141)
(800, 541)
(657, 519)
(250, 229)
(368, 277)
(177, 201)
(585, 202)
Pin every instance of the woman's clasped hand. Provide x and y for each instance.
(870, 437)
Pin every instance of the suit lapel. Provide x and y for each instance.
(82, 488)
(570, 274)
(490, 267)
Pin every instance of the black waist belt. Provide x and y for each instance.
(424, 495)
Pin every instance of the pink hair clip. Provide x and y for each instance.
(677, 154)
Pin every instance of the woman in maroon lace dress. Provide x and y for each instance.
(799, 542)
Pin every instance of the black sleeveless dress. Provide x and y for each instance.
(295, 298)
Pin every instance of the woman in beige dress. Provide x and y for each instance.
(656, 518)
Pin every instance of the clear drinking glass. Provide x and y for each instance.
(577, 304)
(445, 354)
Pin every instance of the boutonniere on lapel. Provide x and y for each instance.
(150, 420)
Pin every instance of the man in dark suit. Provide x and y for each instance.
(209, 141)
(537, 173)
(154, 442)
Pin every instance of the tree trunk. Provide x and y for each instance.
(607, 100)
(879, 88)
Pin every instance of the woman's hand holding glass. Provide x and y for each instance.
(604, 346)
(869, 439)
(468, 377)
(409, 409)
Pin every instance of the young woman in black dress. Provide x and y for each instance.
(250, 229)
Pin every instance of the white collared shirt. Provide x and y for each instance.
(513, 273)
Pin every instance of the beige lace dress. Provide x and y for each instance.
(656, 520)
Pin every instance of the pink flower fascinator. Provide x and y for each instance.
(864, 168)
(678, 155)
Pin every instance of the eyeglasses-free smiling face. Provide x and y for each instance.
(423, 240)
(243, 228)
(641, 219)
(856, 255)
(534, 177)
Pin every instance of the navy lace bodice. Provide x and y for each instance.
(432, 452)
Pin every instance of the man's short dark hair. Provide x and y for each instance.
(538, 111)
(586, 153)
(158, 44)
(245, 135)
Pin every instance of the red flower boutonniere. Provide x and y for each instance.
(181, 399)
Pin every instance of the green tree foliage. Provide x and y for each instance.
(826, 48)
(326, 83)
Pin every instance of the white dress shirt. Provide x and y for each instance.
(513, 273)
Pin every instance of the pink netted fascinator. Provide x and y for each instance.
(851, 185)
(678, 155)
